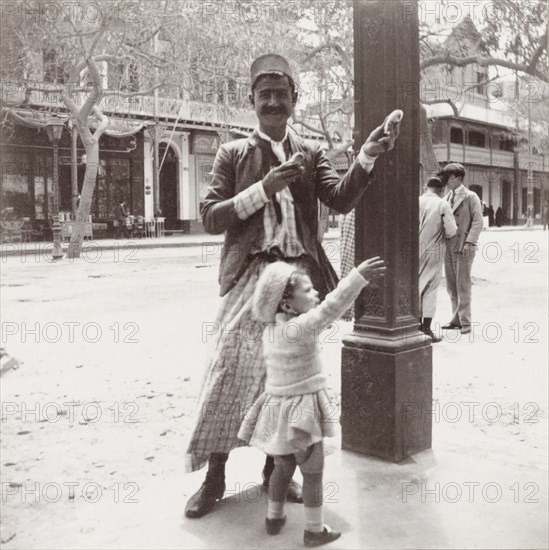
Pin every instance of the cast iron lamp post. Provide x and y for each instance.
(54, 129)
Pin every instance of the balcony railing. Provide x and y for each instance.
(480, 155)
(168, 108)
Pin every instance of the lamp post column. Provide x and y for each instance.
(56, 228)
(386, 379)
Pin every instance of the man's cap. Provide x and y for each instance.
(435, 182)
(452, 168)
(270, 63)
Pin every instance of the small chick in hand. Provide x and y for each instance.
(297, 158)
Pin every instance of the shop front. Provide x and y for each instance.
(27, 176)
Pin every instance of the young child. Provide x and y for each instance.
(291, 418)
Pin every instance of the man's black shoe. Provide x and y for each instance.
(274, 526)
(204, 499)
(451, 325)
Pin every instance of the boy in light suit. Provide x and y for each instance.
(461, 248)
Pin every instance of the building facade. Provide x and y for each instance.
(187, 136)
(476, 120)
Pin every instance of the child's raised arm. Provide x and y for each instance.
(340, 299)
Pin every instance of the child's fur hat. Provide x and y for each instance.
(269, 290)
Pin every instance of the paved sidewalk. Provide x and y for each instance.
(441, 498)
(203, 239)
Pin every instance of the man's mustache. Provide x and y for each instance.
(269, 111)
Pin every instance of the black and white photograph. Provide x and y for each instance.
(274, 274)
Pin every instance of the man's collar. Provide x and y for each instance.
(459, 190)
(268, 139)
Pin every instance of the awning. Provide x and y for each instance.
(34, 119)
(117, 127)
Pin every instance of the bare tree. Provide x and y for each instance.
(524, 50)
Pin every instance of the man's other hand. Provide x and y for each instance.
(281, 176)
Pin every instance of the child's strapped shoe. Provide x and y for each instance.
(313, 538)
(274, 526)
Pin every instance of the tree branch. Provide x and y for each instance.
(146, 38)
(306, 125)
(103, 122)
(92, 100)
(537, 53)
(450, 102)
(326, 131)
(347, 62)
(334, 153)
(98, 37)
(66, 92)
(133, 94)
(483, 61)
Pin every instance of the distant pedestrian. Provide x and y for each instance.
(121, 216)
(490, 216)
(461, 248)
(499, 217)
(436, 224)
(485, 215)
(290, 419)
(545, 215)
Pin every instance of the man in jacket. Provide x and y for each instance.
(461, 248)
(267, 207)
(436, 224)
(121, 216)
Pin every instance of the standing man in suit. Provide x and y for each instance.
(436, 225)
(121, 216)
(461, 248)
(264, 198)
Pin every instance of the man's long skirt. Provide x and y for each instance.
(347, 253)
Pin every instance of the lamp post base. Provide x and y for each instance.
(386, 398)
(57, 253)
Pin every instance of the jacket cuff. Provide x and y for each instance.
(250, 200)
(366, 161)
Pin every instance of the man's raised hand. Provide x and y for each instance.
(383, 137)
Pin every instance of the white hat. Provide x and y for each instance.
(269, 290)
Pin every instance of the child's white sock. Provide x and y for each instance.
(275, 510)
(314, 520)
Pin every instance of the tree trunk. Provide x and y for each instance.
(427, 157)
(86, 197)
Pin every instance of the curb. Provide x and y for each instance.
(16, 249)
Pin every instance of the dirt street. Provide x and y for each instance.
(113, 349)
